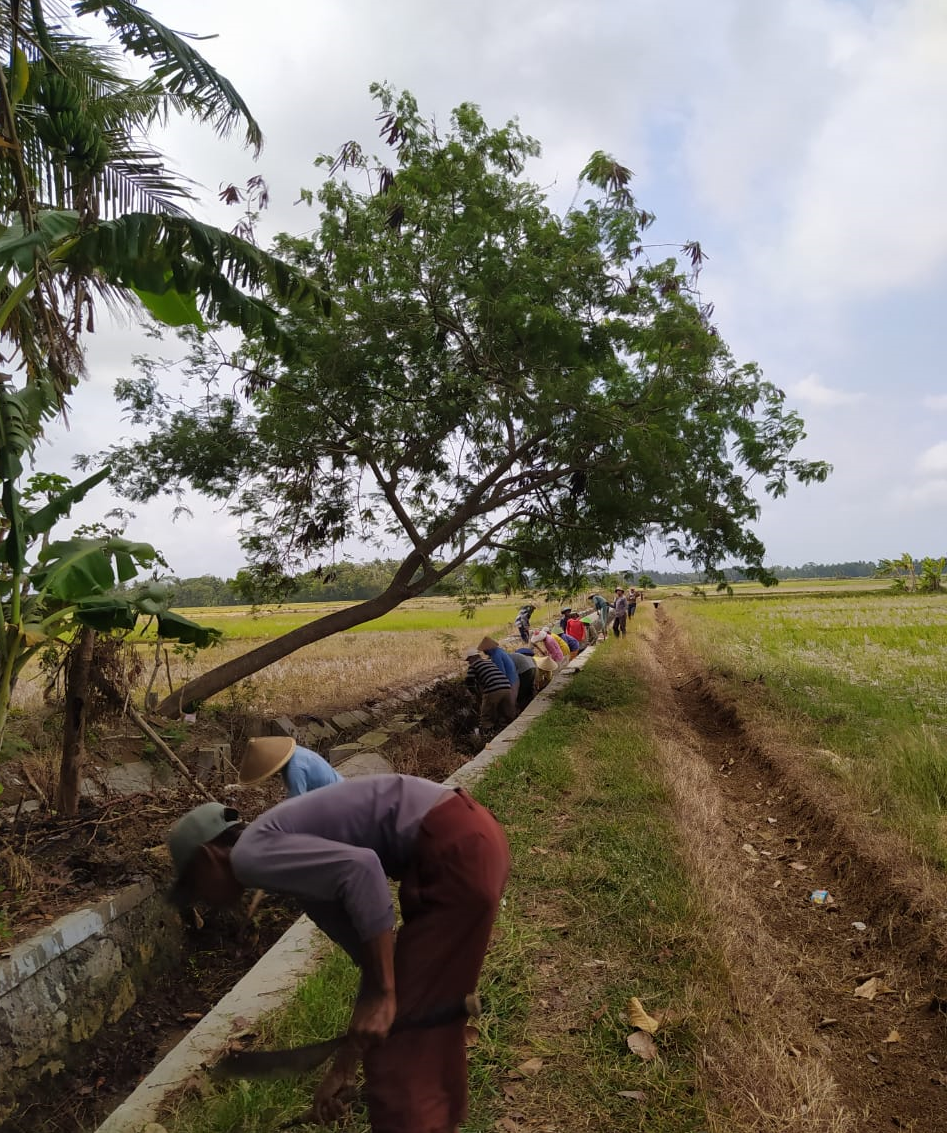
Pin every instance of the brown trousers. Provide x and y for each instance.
(497, 709)
(416, 1081)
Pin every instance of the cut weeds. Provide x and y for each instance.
(597, 911)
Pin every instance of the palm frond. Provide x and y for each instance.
(156, 253)
(176, 64)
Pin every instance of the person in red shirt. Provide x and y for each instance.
(575, 627)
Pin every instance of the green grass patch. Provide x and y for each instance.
(598, 910)
(859, 680)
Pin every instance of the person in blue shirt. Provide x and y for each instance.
(504, 662)
(302, 770)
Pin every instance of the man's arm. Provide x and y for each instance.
(375, 1007)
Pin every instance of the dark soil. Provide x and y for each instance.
(216, 954)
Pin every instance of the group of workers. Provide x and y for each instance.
(506, 682)
(334, 844)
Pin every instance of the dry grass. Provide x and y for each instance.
(764, 1089)
(333, 675)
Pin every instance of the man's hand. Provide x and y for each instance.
(337, 1089)
(372, 1017)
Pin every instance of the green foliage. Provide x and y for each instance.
(535, 371)
(490, 379)
(47, 589)
(932, 572)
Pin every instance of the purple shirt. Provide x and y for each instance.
(334, 849)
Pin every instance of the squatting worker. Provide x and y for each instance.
(505, 663)
(486, 680)
(301, 770)
(334, 850)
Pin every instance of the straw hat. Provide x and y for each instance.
(264, 756)
(488, 643)
(471, 654)
(546, 664)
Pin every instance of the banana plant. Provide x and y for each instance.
(49, 587)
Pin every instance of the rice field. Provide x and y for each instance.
(861, 678)
(418, 642)
(243, 623)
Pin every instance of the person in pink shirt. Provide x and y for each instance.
(549, 644)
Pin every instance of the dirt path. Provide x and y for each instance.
(799, 1050)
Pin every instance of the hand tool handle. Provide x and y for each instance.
(301, 1059)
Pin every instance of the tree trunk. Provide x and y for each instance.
(214, 681)
(73, 738)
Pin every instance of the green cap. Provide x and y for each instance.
(202, 824)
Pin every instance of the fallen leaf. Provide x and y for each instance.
(511, 1089)
(771, 821)
(531, 1067)
(794, 1051)
(873, 1058)
(471, 1035)
(642, 1044)
(777, 883)
(893, 1037)
(598, 1013)
(798, 865)
(870, 988)
(635, 1095)
(538, 850)
(826, 1022)
(640, 1018)
(508, 1124)
(859, 926)
(748, 849)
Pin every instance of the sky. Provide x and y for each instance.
(803, 144)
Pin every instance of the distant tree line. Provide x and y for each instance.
(858, 569)
(344, 582)
(356, 582)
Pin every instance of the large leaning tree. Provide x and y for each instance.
(493, 378)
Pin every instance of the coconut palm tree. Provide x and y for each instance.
(89, 209)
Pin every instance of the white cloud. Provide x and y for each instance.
(814, 391)
(933, 460)
(936, 401)
(924, 496)
(864, 207)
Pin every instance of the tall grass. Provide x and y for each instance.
(862, 681)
